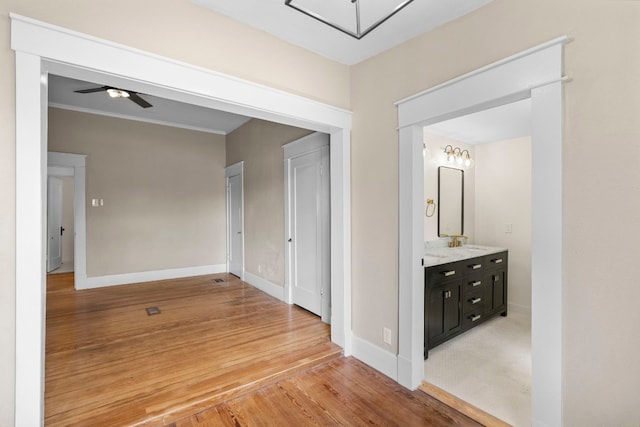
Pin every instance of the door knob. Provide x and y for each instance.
(289, 240)
(61, 231)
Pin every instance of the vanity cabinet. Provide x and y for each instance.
(496, 280)
(461, 295)
(444, 315)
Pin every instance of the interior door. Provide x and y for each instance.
(54, 223)
(236, 241)
(309, 239)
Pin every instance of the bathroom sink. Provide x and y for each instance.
(476, 247)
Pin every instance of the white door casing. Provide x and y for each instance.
(235, 219)
(307, 224)
(42, 48)
(534, 73)
(234, 184)
(54, 223)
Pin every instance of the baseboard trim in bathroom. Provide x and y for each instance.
(461, 406)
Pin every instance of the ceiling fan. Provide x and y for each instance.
(118, 93)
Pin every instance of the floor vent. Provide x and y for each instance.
(218, 280)
(152, 310)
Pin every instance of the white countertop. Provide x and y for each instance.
(443, 255)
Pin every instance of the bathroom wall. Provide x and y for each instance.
(434, 158)
(503, 200)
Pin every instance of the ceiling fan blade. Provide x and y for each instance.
(138, 100)
(95, 89)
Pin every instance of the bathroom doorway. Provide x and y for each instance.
(488, 366)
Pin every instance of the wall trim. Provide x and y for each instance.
(134, 118)
(151, 276)
(378, 358)
(264, 285)
(304, 145)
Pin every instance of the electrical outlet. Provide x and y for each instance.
(508, 227)
(387, 335)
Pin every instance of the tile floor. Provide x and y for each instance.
(488, 367)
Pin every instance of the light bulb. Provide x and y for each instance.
(467, 162)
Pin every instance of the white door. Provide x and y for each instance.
(309, 231)
(234, 215)
(54, 223)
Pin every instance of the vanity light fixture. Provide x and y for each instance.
(356, 18)
(457, 155)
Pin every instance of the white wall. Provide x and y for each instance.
(503, 196)
(434, 158)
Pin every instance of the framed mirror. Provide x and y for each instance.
(451, 201)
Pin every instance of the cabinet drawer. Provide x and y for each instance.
(473, 265)
(473, 303)
(472, 318)
(496, 260)
(474, 283)
(442, 273)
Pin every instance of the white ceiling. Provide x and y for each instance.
(164, 111)
(274, 17)
(495, 124)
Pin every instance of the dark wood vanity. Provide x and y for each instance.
(462, 294)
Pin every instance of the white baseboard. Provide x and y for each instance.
(149, 276)
(378, 358)
(264, 285)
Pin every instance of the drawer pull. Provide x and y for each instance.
(475, 300)
(474, 317)
(476, 283)
(476, 266)
(497, 261)
(448, 273)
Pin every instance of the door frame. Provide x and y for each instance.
(535, 73)
(299, 147)
(41, 49)
(50, 180)
(229, 171)
(74, 165)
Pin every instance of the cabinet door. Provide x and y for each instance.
(499, 290)
(452, 309)
(443, 317)
(495, 294)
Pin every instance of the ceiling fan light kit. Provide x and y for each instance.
(356, 18)
(115, 92)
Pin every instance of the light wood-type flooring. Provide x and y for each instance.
(219, 353)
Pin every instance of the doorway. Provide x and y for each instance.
(308, 224)
(60, 223)
(535, 73)
(234, 176)
(75, 55)
(488, 366)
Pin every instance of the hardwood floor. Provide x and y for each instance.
(217, 354)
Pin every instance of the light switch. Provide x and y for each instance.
(94, 203)
(101, 202)
(508, 227)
